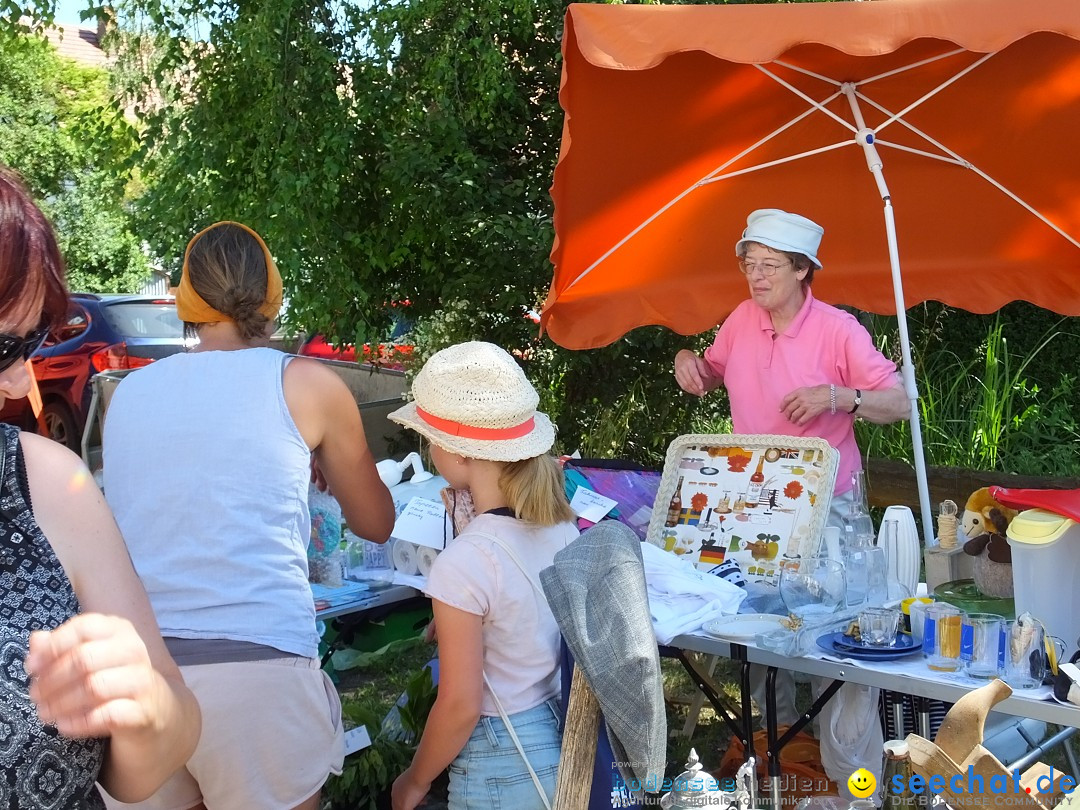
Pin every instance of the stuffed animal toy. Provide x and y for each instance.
(985, 521)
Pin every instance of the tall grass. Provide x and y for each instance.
(983, 412)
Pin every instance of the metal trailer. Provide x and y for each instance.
(377, 392)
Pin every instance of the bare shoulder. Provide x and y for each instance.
(317, 398)
(52, 471)
(307, 377)
(73, 515)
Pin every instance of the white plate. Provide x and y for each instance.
(742, 627)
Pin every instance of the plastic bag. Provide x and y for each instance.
(323, 552)
(800, 763)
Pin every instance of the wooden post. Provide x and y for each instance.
(578, 746)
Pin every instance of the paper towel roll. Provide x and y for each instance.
(405, 557)
(425, 556)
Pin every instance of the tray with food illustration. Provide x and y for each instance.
(756, 499)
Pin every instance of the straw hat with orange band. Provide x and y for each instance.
(191, 307)
(473, 399)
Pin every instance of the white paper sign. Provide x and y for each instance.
(356, 739)
(425, 523)
(591, 506)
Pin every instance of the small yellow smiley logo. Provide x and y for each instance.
(861, 783)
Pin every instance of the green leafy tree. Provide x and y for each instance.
(391, 152)
(60, 130)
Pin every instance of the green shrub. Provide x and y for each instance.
(369, 774)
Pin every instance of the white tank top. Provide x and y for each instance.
(207, 475)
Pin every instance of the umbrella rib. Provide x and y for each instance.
(967, 164)
(806, 72)
(776, 162)
(945, 159)
(703, 181)
(897, 116)
(912, 66)
(818, 105)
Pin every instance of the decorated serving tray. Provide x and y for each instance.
(758, 500)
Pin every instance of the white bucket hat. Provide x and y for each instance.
(473, 399)
(780, 230)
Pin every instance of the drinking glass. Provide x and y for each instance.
(878, 625)
(354, 555)
(916, 610)
(1025, 665)
(941, 637)
(867, 578)
(813, 586)
(981, 644)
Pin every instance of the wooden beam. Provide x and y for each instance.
(574, 783)
(893, 482)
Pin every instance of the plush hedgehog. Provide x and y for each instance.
(985, 521)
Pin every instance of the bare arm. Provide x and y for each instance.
(881, 407)
(457, 707)
(105, 672)
(693, 373)
(329, 420)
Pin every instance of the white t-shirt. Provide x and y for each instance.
(521, 638)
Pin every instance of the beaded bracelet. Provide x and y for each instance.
(832, 399)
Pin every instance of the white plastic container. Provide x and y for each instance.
(1046, 571)
(421, 484)
(380, 561)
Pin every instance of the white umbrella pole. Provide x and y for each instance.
(908, 371)
(865, 138)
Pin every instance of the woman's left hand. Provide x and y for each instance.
(804, 404)
(405, 794)
(92, 677)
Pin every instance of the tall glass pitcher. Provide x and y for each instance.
(858, 525)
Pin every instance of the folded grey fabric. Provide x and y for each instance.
(596, 589)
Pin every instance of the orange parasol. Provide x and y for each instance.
(680, 120)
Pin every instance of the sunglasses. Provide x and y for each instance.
(14, 348)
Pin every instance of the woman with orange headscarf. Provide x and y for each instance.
(207, 461)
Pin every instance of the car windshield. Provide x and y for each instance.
(146, 320)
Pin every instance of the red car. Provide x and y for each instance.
(391, 354)
(102, 332)
(388, 355)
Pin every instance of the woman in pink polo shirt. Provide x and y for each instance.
(793, 365)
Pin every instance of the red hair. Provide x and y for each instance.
(30, 261)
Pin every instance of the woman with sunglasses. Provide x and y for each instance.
(88, 691)
(207, 461)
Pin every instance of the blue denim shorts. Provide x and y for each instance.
(489, 773)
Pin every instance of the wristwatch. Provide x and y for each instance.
(858, 401)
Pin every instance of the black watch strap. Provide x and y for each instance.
(858, 401)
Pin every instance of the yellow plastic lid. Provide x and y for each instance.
(1038, 527)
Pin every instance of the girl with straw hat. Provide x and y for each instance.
(494, 722)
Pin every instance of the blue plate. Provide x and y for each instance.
(847, 642)
(828, 643)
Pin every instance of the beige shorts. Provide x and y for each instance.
(271, 735)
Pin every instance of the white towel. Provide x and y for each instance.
(682, 598)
